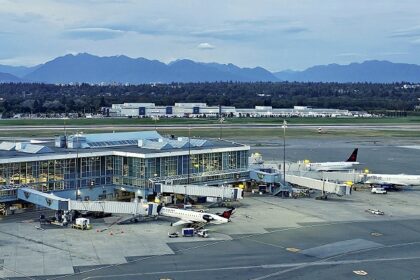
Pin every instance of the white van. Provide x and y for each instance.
(378, 190)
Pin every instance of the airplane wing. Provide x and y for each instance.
(182, 222)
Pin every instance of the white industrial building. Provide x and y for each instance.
(203, 110)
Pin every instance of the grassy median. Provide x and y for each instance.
(210, 121)
(232, 133)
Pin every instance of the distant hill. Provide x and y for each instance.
(9, 78)
(18, 71)
(122, 69)
(369, 71)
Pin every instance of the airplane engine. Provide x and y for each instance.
(207, 218)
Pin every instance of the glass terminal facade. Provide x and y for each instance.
(115, 170)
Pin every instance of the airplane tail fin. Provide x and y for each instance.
(226, 214)
(353, 156)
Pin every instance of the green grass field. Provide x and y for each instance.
(240, 133)
(179, 121)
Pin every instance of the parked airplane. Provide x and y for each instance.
(393, 179)
(335, 165)
(193, 217)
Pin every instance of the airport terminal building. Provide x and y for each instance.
(97, 166)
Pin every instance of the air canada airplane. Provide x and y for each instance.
(193, 217)
(393, 179)
(335, 165)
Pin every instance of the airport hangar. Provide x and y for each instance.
(110, 165)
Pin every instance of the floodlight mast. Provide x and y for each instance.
(284, 152)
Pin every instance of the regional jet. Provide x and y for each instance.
(193, 217)
(393, 179)
(335, 165)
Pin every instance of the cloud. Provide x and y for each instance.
(349, 54)
(393, 53)
(416, 41)
(250, 29)
(406, 33)
(26, 17)
(93, 33)
(205, 46)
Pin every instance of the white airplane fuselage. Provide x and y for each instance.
(393, 179)
(193, 216)
(332, 166)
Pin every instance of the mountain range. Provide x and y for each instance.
(122, 69)
(373, 71)
(9, 78)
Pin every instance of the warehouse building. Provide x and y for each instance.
(203, 110)
(101, 166)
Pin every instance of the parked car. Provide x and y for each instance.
(203, 233)
(173, 234)
(375, 211)
(378, 190)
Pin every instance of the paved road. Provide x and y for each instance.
(327, 251)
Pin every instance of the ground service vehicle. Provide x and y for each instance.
(173, 235)
(188, 232)
(378, 190)
(203, 233)
(375, 211)
(82, 223)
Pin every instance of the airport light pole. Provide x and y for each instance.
(284, 152)
(155, 118)
(221, 120)
(77, 165)
(189, 163)
(189, 154)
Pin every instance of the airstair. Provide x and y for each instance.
(283, 188)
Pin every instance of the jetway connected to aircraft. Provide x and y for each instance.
(54, 202)
(200, 190)
(353, 176)
(46, 200)
(324, 186)
(327, 182)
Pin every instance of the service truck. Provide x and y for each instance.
(188, 232)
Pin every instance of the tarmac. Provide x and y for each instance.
(268, 237)
(379, 155)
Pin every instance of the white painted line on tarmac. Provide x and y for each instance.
(266, 243)
(267, 266)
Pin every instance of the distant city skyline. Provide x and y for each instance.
(276, 35)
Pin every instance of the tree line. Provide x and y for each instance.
(38, 98)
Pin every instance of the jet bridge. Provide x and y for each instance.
(54, 202)
(200, 190)
(353, 176)
(46, 200)
(324, 186)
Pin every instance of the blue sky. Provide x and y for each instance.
(277, 35)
